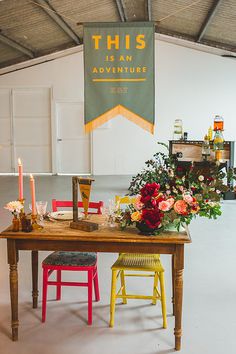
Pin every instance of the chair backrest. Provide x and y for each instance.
(124, 200)
(95, 206)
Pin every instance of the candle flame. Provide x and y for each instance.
(19, 161)
(31, 176)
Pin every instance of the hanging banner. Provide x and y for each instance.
(119, 73)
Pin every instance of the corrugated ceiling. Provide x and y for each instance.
(27, 30)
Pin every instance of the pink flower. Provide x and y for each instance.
(188, 198)
(137, 204)
(166, 205)
(180, 207)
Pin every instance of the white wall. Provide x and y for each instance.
(190, 85)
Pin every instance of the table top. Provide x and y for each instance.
(60, 230)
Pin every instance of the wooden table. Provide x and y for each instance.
(59, 236)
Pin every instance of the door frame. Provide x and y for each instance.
(55, 125)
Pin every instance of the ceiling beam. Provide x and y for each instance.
(47, 7)
(121, 10)
(208, 19)
(16, 46)
(149, 9)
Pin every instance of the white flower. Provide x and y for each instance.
(217, 191)
(213, 204)
(14, 206)
(201, 178)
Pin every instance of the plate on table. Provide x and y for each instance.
(64, 215)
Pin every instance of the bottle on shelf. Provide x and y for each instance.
(206, 151)
(218, 144)
(178, 129)
(218, 123)
(210, 134)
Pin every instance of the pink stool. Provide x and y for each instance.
(74, 261)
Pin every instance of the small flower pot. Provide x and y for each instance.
(15, 224)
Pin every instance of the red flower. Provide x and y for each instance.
(148, 191)
(152, 217)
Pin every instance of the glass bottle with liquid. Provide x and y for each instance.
(178, 129)
(218, 123)
(210, 133)
(218, 143)
(206, 151)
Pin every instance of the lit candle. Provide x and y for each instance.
(32, 190)
(20, 179)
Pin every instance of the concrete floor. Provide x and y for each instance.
(209, 308)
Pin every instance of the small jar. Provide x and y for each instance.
(15, 224)
(178, 129)
(26, 224)
(218, 123)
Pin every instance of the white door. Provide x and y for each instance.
(73, 145)
(32, 128)
(6, 157)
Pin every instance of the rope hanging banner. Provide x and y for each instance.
(119, 73)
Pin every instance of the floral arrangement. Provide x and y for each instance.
(14, 207)
(173, 193)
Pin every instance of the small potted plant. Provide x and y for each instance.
(15, 208)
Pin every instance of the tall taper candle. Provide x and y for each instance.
(20, 179)
(32, 190)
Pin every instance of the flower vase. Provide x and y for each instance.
(145, 230)
(15, 224)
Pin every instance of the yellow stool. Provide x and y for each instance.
(138, 262)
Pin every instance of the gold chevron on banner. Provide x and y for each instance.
(119, 109)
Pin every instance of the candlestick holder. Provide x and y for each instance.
(22, 211)
(35, 225)
(22, 201)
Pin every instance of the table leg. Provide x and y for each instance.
(173, 283)
(35, 293)
(13, 277)
(178, 293)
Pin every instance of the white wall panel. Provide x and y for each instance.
(5, 131)
(73, 145)
(32, 102)
(35, 158)
(5, 102)
(32, 128)
(5, 159)
(32, 131)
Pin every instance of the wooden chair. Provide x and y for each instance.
(144, 263)
(72, 261)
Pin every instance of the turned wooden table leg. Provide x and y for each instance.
(178, 292)
(35, 292)
(173, 282)
(13, 277)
